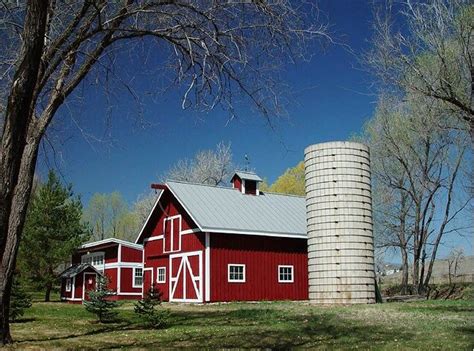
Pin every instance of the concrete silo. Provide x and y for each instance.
(339, 222)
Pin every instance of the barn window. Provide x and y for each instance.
(137, 277)
(161, 275)
(285, 274)
(236, 273)
(172, 234)
(68, 285)
(95, 259)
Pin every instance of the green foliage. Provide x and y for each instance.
(99, 302)
(110, 216)
(290, 182)
(19, 300)
(53, 230)
(146, 309)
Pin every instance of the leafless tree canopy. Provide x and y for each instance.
(212, 167)
(427, 47)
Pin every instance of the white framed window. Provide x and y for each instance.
(137, 277)
(161, 275)
(96, 259)
(68, 285)
(236, 273)
(285, 274)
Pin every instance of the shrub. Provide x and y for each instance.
(146, 309)
(19, 301)
(99, 302)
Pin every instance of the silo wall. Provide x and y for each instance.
(339, 223)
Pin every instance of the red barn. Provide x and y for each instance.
(207, 244)
(120, 261)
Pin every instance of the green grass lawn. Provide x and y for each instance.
(422, 325)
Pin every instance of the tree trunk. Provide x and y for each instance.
(47, 294)
(18, 153)
(404, 289)
(12, 236)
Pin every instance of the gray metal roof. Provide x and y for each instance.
(248, 176)
(76, 269)
(227, 210)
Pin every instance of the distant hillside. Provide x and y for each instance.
(465, 272)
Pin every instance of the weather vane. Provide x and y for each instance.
(247, 163)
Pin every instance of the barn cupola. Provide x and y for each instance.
(246, 182)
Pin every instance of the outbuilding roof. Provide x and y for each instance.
(248, 176)
(112, 241)
(75, 269)
(227, 210)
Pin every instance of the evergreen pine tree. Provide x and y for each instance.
(19, 300)
(146, 308)
(53, 230)
(99, 302)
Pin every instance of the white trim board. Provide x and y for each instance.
(244, 232)
(207, 268)
(123, 265)
(114, 241)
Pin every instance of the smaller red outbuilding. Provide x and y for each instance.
(120, 261)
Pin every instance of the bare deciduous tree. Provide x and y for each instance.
(212, 167)
(417, 163)
(456, 256)
(427, 47)
(143, 206)
(215, 49)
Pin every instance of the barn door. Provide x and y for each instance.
(89, 284)
(186, 277)
(147, 280)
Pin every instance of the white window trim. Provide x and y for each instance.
(236, 280)
(158, 275)
(99, 267)
(172, 246)
(68, 285)
(292, 274)
(133, 278)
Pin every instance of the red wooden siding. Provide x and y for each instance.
(237, 183)
(129, 254)
(261, 256)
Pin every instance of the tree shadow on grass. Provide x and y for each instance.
(23, 320)
(254, 327)
(284, 332)
(106, 328)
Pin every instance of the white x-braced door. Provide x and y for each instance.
(186, 277)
